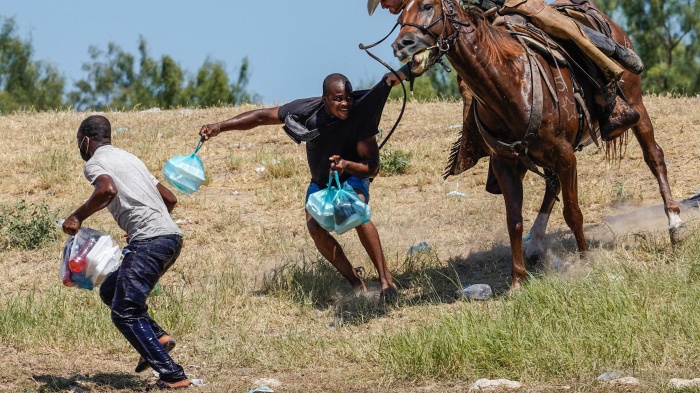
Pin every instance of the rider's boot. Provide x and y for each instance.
(615, 115)
(628, 58)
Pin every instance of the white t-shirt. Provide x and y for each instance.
(138, 207)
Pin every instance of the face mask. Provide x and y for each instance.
(85, 155)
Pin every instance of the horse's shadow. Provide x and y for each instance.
(424, 278)
(435, 281)
(116, 381)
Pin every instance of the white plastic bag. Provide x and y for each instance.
(88, 258)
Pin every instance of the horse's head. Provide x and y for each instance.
(423, 28)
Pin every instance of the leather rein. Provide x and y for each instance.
(403, 105)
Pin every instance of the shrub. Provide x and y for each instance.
(26, 226)
(394, 162)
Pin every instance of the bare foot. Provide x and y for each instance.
(166, 341)
(162, 385)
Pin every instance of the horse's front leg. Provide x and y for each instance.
(565, 168)
(654, 158)
(534, 241)
(510, 179)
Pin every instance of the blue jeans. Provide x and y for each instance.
(125, 291)
(357, 183)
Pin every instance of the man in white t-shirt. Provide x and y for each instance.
(141, 206)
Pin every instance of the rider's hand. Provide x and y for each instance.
(210, 130)
(391, 80)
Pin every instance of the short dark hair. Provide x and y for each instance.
(333, 79)
(96, 127)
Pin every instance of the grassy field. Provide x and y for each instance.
(252, 303)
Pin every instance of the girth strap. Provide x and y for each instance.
(519, 149)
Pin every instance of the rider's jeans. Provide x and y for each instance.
(125, 291)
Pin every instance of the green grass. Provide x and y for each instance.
(642, 321)
(64, 318)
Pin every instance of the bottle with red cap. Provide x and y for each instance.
(79, 261)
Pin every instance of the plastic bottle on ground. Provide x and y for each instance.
(477, 291)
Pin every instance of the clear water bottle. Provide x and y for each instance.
(476, 292)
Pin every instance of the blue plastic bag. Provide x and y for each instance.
(338, 209)
(320, 205)
(186, 173)
(349, 211)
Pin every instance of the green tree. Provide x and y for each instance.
(435, 84)
(239, 92)
(114, 80)
(665, 34)
(24, 82)
(211, 86)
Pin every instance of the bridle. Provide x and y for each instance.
(442, 46)
(442, 43)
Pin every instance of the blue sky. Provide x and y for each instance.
(291, 44)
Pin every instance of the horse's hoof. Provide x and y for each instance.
(678, 234)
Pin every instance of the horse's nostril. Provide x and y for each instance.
(407, 43)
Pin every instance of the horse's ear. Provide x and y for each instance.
(372, 5)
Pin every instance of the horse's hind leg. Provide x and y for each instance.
(534, 247)
(654, 157)
(510, 179)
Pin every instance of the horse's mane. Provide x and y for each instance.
(498, 45)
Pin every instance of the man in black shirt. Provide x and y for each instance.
(340, 130)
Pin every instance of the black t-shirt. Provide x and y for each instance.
(337, 136)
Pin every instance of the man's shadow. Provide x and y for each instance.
(117, 381)
(424, 279)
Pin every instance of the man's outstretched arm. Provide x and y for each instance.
(244, 121)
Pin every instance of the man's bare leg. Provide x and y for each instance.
(331, 250)
(369, 237)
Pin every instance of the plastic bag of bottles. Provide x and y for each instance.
(88, 258)
(349, 211)
(186, 173)
(337, 208)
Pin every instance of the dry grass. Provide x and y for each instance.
(232, 328)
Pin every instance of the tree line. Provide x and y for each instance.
(664, 33)
(115, 79)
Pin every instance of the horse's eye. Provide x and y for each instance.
(427, 7)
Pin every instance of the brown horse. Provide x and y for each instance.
(525, 110)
